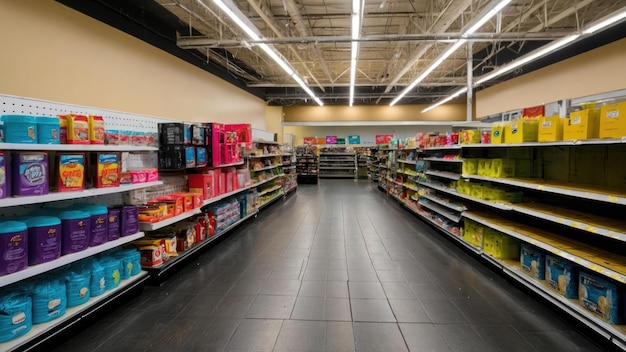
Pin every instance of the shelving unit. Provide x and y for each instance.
(290, 182)
(337, 164)
(307, 164)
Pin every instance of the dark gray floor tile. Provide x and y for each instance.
(281, 287)
(428, 291)
(366, 290)
(317, 264)
(377, 337)
(312, 289)
(372, 310)
(255, 335)
(271, 307)
(308, 308)
(443, 311)
(337, 309)
(395, 290)
(409, 311)
(201, 306)
(504, 338)
(384, 264)
(245, 287)
(212, 335)
(285, 273)
(337, 289)
(560, 341)
(423, 338)
(390, 276)
(362, 275)
(463, 338)
(233, 306)
(337, 275)
(298, 335)
(314, 275)
(339, 337)
(479, 311)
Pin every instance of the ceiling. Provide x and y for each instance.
(398, 41)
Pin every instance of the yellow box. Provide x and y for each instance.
(521, 131)
(477, 190)
(502, 168)
(493, 193)
(497, 134)
(463, 187)
(582, 124)
(613, 121)
(469, 137)
(505, 247)
(470, 166)
(484, 167)
(489, 237)
(550, 129)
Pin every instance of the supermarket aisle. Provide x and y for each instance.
(336, 267)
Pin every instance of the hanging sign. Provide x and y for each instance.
(331, 139)
(354, 139)
(309, 140)
(341, 141)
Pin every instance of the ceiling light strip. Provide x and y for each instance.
(446, 99)
(253, 33)
(354, 51)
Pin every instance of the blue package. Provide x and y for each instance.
(20, 129)
(599, 296)
(197, 134)
(187, 133)
(533, 261)
(562, 276)
(201, 157)
(190, 156)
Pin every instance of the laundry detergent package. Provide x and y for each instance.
(107, 170)
(562, 276)
(4, 174)
(20, 129)
(16, 315)
(129, 220)
(71, 172)
(76, 227)
(13, 247)
(48, 130)
(44, 239)
(49, 300)
(77, 286)
(600, 297)
(533, 261)
(30, 173)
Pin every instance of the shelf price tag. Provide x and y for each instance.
(591, 229)
(611, 199)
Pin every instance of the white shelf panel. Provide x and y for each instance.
(266, 156)
(455, 207)
(337, 167)
(443, 174)
(267, 168)
(55, 196)
(144, 226)
(497, 205)
(264, 181)
(575, 190)
(599, 261)
(73, 313)
(270, 201)
(241, 162)
(442, 160)
(272, 189)
(412, 162)
(441, 211)
(64, 260)
(449, 147)
(265, 142)
(77, 147)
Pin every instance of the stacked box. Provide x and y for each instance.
(600, 296)
(522, 131)
(582, 124)
(470, 166)
(532, 261)
(498, 134)
(505, 247)
(562, 276)
(502, 168)
(613, 121)
(550, 129)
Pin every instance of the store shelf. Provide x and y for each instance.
(441, 211)
(266, 168)
(173, 262)
(265, 156)
(146, 226)
(551, 144)
(409, 187)
(291, 190)
(591, 192)
(56, 196)
(598, 225)
(338, 154)
(337, 167)
(443, 174)
(600, 261)
(442, 160)
(496, 205)
(226, 195)
(64, 260)
(75, 147)
(336, 175)
(413, 162)
(322, 160)
(264, 181)
(270, 201)
(265, 142)
(449, 147)
(269, 190)
(455, 207)
(40, 333)
(241, 162)
(383, 166)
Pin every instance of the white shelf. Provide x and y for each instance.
(145, 226)
(64, 260)
(71, 314)
(449, 147)
(270, 190)
(267, 168)
(595, 260)
(443, 174)
(497, 205)
(270, 201)
(441, 211)
(446, 204)
(337, 167)
(265, 156)
(55, 196)
(77, 147)
(338, 154)
(550, 144)
(444, 160)
(568, 189)
(240, 162)
(264, 181)
(413, 162)
(265, 142)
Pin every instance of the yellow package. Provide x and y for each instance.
(477, 190)
(77, 129)
(582, 124)
(497, 134)
(521, 131)
(502, 168)
(96, 129)
(470, 137)
(107, 170)
(489, 236)
(613, 121)
(550, 129)
(505, 247)
(470, 166)
(484, 167)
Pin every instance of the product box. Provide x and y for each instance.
(202, 183)
(533, 261)
(613, 121)
(20, 128)
(521, 131)
(187, 134)
(4, 176)
(489, 240)
(600, 297)
(96, 129)
(215, 137)
(77, 129)
(190, 157)
(30, 173)
(498, 134)
(107, 170)
(562, 276)
(201, 157)
(484, 167)
(13, 247)
(582, 124)
(171, 133)
(550, 129)
(172, 157)
(469, 137)
(197, 134)
(186, 238)
(470, 166)
(48, 130)
(113, 224)
(151, 256)
(71, 172)
(505, 247)
(502, 168)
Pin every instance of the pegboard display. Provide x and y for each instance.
(113, 119)
(171, 184)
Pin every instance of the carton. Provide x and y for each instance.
(582, 124)
(484, 167)
(599, 296)
(502, 168)
(470, 166)
(505, 247)
(613, 121)
(532, 261)
(562, 276)
(498, 134)
(550, 128)
(521, 131)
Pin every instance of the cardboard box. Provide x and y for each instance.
(150, 256)
(484, 167)
(582, 124)
(562, 276)
(202, 183)
(489, 241)
(533, 261)
(600, 297)
(550, 128)
(470, 166)
(498, 134)
(502, 168)
(521, 131)
(613, 121)
(505, 247)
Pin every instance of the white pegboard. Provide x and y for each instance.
(113, 120)
(171, 184)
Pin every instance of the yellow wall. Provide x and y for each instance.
(367, 133)
(54, 53)
(274, 121)
(448, 112)
(596, 71)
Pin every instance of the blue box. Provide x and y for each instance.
(187, 134)
(48, 130)
(201, 157)
(533, 261)
(190, 157)
(600, 297)
(562, 276)
(20, 129)
(197, 134)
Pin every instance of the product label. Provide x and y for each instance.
(18, 318)
(72, 171)
(108, 169)
(576, 120)
(546, 124)
(33, 174)
(612, 114)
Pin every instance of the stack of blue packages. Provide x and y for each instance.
(49, 299)
(77, 281)
(97, 282)
(112, 272)
(16, 315)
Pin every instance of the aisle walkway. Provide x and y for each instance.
(335, 267)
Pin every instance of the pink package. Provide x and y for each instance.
(222, 183)
(138, 176)
(152, 175)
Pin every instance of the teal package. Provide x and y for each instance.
(20, 129)
(533, 261)
(599, 296)
(562, 276)
(190, 156)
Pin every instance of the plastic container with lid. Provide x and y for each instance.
(48, 130)
(20, 129)
(76, 228)
(97, 281)
(113, 224)
(16, 315)
(112, 272)
(77, 285)
(99, 223)
(13, 247)
(49, 299)
(44, 239)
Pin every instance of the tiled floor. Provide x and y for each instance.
(335, 267)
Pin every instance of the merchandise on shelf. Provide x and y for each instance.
(44, 239)
(105, 169)
(14, 244)
(562, 276)
(113, 224)
(521, 131)
(77, 129)
(76, 229)
(20, 129)
(49, 299)
(48, 130)
(601, 297)
(613, 120)
(70, 171)
(533, 261)
(96, 129)
(98, 223)
(550, 128)
(30, 173)
(4, 176)
(16, 314)
(583, 124)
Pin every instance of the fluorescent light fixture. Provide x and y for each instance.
(445, 100)
(486, 17)
(606, 21)
(354, 51)
(254, 34)
(528, 58)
